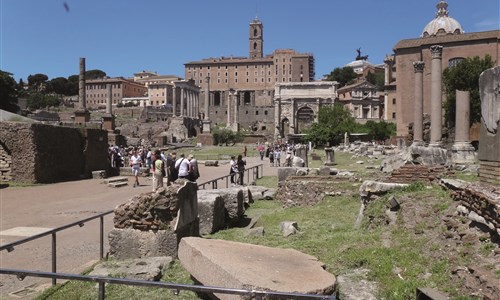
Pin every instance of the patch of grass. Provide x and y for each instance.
(267, 181)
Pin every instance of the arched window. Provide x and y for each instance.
(255, 32)
(254, 46)
(454, 61)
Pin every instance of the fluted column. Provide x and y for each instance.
(462, 151)
(436, 96)
(418, 103)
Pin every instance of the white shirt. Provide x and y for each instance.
(135, 161)
(183, 165)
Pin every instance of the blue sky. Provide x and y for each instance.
(122, 37)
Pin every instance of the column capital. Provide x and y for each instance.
(436, 51)
(418, 66)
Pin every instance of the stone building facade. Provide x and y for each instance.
(363, 100)
(296, 105)
(241, 89)
(97, 92)
(456, 46)
(39, 153)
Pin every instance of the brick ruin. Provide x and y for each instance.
(39, 153)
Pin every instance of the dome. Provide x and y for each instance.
(442, 24)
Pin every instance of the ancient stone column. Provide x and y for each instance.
(293, 114)
(207, 98)
(462, 151)
(236, 116)
(418, 104)
(82, 115)
(436, 96)
(229, 95)
(81, 86)
(330, 157)
(109, 98)
(174, 100)
(277, 120)
(183, 95)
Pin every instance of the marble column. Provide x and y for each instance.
(108, 120)
(82, 115)
(183, 95)
(436, 96)
(418, 104)
(174, 100)
(236, 117)
(229, 95)
(294, 113)
(207, 98)
(388, 63)
(278, 130)
(462, 151)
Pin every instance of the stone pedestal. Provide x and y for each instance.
(207, 126)
(463, 153)
(108, 122)
(330, 157)
(301, 152)
(82, 116)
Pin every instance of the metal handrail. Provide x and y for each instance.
(53, 232)
(257, 294)
(258, 172)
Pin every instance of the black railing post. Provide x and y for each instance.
(102, 290)
(101, 238)
(54, 257)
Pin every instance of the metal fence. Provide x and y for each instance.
(256, 173)
(249, 175)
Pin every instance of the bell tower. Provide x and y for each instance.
(256, 39)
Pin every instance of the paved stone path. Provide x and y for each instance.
(54, 205)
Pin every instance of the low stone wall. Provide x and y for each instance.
(480, 199)
(42, 153)
(413, 173)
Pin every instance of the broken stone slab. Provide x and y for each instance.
(288, 228)
(375, 187)
(257, 232)
(132, 243)
(146, 268)
(246, 266)
(285, 172)
(417, 155)
(261, 192)
(211, 163)
(233, 202)
(211, 212)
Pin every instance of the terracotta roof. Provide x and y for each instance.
(473, 36)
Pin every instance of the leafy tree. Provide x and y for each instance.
(333, 122)
(59, 85)
(376, 79)
(73, 84)
(343, 76)
(38, 100)
(464, 76)
(94, 74)
(37, 81)
(226, 136)
(8, 92)
(380, 131)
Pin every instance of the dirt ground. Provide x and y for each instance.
(54, 205)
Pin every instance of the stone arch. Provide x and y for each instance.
(285, 127)
(305, 118)
(5, 162)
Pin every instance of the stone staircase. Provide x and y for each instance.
(116, 181)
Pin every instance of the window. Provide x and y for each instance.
(254, 46)
(235, 73)
(454, 61)
(256, 112)
(393, 101)
(394, 115)
(255, 32)
(265, 112)
(225, 80)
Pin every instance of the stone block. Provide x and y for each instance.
(284, 173)
(211, 163)
(133, 243)
(233, 203)
(147, 268)
(100, 174)
(253, 267)
(211, 212)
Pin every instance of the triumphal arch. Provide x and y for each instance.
(296, 105)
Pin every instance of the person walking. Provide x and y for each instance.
(241, 168)
(194, 172)
(233, 169)
(135, 164)
(158, 170)
(182, 166)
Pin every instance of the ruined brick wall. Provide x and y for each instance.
(44, 153)
(482, 199)
(413, 173)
